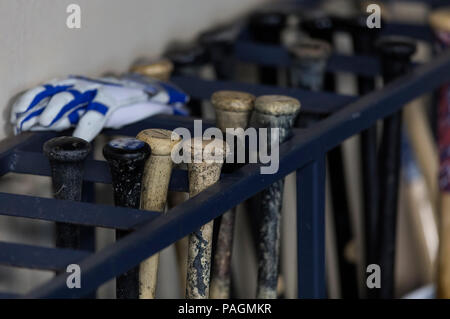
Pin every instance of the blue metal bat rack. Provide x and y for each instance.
(304, 153)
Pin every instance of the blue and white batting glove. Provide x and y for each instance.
(89, 104)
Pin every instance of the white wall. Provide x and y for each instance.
(36, 45)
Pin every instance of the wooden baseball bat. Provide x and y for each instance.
(440, 22)
(309, 60)
(272, 111)
(266, 27)
(162, 70)
(155, 186)
(126, 158)
(233, 111)
(67, 156)
(395, 57)
(202, 174)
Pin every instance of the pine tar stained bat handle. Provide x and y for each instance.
(440, 22)
(272, 111)
(126, 158)
(233, 111)
(155, 186)
(202, 174)
(67, 156)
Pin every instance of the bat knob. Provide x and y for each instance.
(267, 26)
(67, 149)
(318, 25)
(160, 70)
(66, 155)
(126, 150)
(276, 105)
(161, 141)
(232, 108)
(395, 54)
(187, 57)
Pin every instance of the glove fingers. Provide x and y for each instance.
(32, 98)
(28, 119)
(64, 103)
(90, 125)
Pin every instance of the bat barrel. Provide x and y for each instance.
(204, 171)
(271, 111)
(395, 58)
(233, 110)
(66, 156)
(126, 158)
(155, 186)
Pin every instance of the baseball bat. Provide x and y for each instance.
(266, 27)
(219, 45)
(395, 59)
(160, 70)
(189, 61)
(155, 186)
(66, 156)
(363, 43)
(203, 172)
(440, 22)
(126, 158)
(309, 60)
(272, 112)
(319, 25)
(233, 111)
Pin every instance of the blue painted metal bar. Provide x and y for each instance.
(300, 150)
(321, 103)
(42, 258)
(311, 229)
(7, 295)
(73, 212)
(95, 171)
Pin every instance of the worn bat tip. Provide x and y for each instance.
(126, 148)
(233, 101)
(161, 141)
(277, 105)
(161, 69)
(67, 149)
(396, 46)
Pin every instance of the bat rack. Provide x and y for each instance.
(304, 153)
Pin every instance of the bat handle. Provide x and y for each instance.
(395, 59)
(272, 111)
(126, 158)
(66, 156)
(203, 173)
(155, 186)
(233, 111)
